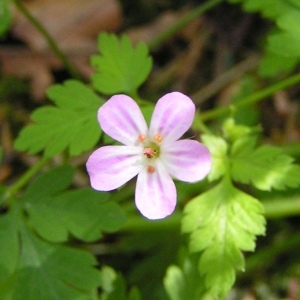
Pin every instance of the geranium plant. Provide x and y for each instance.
(182, 228)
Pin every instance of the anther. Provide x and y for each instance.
(150, 169)
(141, 137)
(158, 138)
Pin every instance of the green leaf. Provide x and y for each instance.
(5, 17)
(71, 124)
(233, 131)
(112, 284)
(84, 213)
(48, 271)
(120, 68)
(184, 282)
(273, 64)
(114, 287)
(286, 44)
(218, 150)
(287, 41)
(50, 183)
(266, 167)
(175, 284)
(221, 223)
(9, 247)
(283, 46)
(270, 9)
(134, 294)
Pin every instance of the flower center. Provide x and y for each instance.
(151, 149)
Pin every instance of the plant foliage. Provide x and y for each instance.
(120, 68)
(54, 270)
(283, 44)
(69, 125)
(224, 221)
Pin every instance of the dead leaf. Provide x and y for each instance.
(73, 24)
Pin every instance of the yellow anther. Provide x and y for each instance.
(141, 137)
(158, 138)
(150, 169)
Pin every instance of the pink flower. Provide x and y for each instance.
(154, 154)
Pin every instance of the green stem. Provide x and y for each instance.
(137, 223)
(26, 177)
(281, 207)
(278, 208)
(52, 44)
(253, 98)
(198, 11)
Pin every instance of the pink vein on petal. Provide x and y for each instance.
(121, 118)
(110, 167)
(172, 117)
(155, 194)
(186, 160)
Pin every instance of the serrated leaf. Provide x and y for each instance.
(48, 271)
(233, 131)
(218, 150)
(120, 67)
(84, 213)
(222, 222)
(266, 167)
(268, 8)
(282, 53)
(287, 41)
(9, 246)
(272, 64)
(70, 125)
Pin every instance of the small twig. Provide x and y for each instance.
(220, 82)
(186, 19)
(52, 44)
(251, 99)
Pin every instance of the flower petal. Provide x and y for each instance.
(186, 160)
(172, 117)
(111, 166)
(121, 118)
(155, 194)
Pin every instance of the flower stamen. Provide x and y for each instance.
(141, 138)
(150, 169)
(158, 138)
